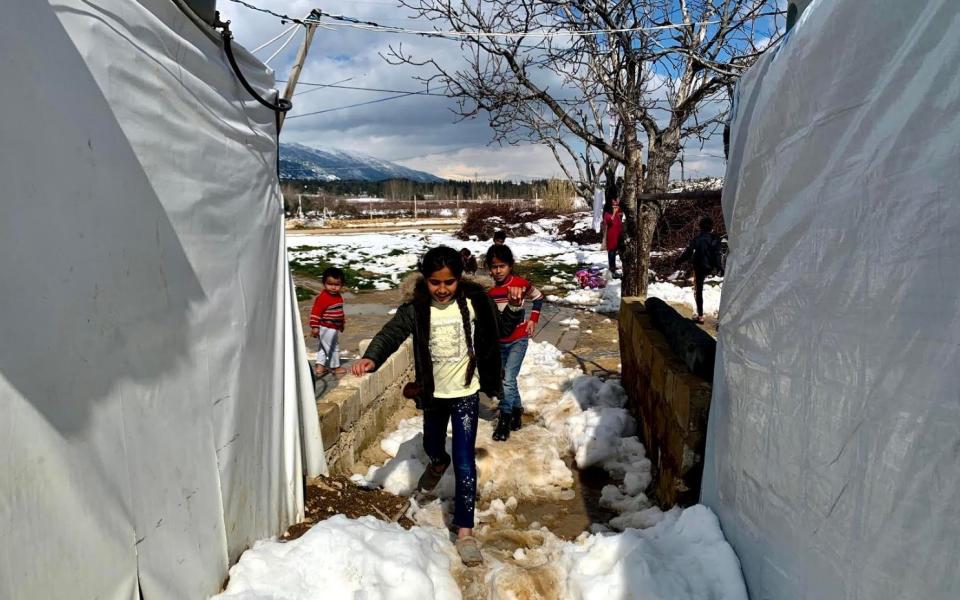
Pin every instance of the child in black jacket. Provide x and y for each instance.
(455, 328)
(703, 252)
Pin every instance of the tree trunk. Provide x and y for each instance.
(644, 215)
(631, 254)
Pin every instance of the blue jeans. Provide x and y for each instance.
(464, 412)
(511, 355)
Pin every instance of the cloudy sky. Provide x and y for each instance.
(420, 132)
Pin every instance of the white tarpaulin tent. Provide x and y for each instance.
(157, 415)
(833, 457)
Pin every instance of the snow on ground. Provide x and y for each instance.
(589, 416)
(606, 300)
(348, 558)
(389, 256)
(683, 557)
(674, 294)
(677, 555)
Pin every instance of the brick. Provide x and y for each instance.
(657, 373)
(680, 400)
(674, 447)
(348, 399)
(349, 381)
(329, 423)
(362, 346)
(700, 393)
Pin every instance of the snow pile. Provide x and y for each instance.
(683, 557)
(543, 378)
(529, 467)
(346, 558)
(677, 555)
(589, 416)
(579, 415)
(605, 299)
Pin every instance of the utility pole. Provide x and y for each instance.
(298, 64)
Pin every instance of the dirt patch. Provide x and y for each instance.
(329, 496)
(597, 351)
(568, 517)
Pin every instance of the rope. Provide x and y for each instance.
(280, 49)
(279, 35)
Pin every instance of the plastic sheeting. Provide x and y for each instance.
(157, 414)
(833, 457)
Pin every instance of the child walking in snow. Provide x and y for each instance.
(704, 252)
(455, 328)
(327, 322)
(513, 344)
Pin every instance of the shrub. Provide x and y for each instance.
(484, 220)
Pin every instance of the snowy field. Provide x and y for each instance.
(642, 552)
(385, 258)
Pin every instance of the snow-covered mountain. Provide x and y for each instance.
(328, 164)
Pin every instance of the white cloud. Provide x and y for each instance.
(417, 131)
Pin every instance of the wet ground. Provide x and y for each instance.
(519, 547)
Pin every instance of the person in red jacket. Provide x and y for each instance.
(611, 229)
(513, 344)
(327, 322)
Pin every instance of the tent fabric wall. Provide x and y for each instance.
(833, 457)
(157, 417)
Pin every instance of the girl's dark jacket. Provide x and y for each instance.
(413, 318)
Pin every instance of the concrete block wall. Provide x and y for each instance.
(353, 414)
(670, 404)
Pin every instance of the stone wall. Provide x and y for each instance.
(354, 414)
(671, 405)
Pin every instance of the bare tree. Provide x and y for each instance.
(597, 81)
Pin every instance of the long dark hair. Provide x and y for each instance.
(440, 257)
(503, 253)
(445, 257)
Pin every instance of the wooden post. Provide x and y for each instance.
(298, 66)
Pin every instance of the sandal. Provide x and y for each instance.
(469, 550)
(432, 476)
(339, 371)
(320, 370)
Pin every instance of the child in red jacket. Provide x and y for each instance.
(327, 321)
(513, 344)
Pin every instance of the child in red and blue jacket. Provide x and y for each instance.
(513, 344)
(327, 321)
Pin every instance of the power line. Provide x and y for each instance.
(325, 85)
(353, 22)
(280, 16)
(337, 85)
(373, 26)
(326, 110)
